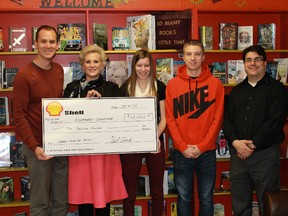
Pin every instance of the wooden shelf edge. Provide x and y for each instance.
(15, 203)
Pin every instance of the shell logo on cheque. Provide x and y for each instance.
(54, 108)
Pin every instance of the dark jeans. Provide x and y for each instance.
(205, 168)
(260, 171)
(131, 165)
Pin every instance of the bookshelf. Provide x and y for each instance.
(35, 13)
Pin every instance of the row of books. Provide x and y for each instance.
(233, 72)
(7, 76)
(233, 37)
(11, 151)
(162, 30)
(7, 189)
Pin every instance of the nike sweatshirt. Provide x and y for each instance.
(194, 109)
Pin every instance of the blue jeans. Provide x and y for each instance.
(205, 168)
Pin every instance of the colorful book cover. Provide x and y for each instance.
(206, 37)
(222, 150)
(18, 39)
(1, 40)
(228, 36)
(4, 111)
(225, 181)
(173, 209)
(219, 71)
(120, 38)
(72, 36)
(176, 65)
(267, 35)
(116, 210)
(245, 37)
(164, 69)
(219, 209)
(171, 184)
(137, 210)
(172, 29)
(235, 71)
(9, 77)
(77, 72)
(117, 72)
(34, 30)
(282, 70)
(16, 154)
(7, 189)
(100, 35)
(271, 68)
(5, 139)
(142, 32)
(25, 188)
(2, 66)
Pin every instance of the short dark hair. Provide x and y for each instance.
(46, 27)
(254, 48)
(193, 42)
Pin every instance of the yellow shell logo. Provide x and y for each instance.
(54, 108)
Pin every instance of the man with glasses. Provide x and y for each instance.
(254, 117)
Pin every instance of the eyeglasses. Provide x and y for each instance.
(256, 60)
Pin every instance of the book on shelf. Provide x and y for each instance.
(267, 35)
(18, 41)
(164, 69)
(206, 36)
(282, 69)
(219, 71)
(219, 209)
(228, 36)
(116, 210)
(16, 154)
(271, 68)
(165, 183)
(7, 189)
(5, 139)
(137, 210)
(245, 37)
(176, 65)
(143, 185)
(34, 31)
(173, 209)
(100, 35)
(76, 69)
(4, 111)
(25, 188)
(1, 40)
(120, 38)
(171, 184)
(172, 29)
(129, 59)
(72, 36)
(255, 208)
(150, 204)
(67, 76)
(235, 71)
(2, 66)
(117, 72)
(9, 77)
(142, 32)
(222, 150)
(225, 181)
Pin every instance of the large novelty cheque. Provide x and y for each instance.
(79, 126)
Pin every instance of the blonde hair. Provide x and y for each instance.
(93, 49)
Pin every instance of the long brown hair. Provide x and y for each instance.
(131, 82)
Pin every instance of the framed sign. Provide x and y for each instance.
(81, 126)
